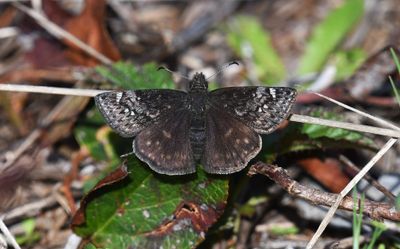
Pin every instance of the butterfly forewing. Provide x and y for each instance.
(128, 112)
(261, 108)
(165, 146)
(229, 145)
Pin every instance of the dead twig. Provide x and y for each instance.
(71, 176)
(30, 208)
(375, 210)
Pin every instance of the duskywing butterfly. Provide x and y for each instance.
(175, 129)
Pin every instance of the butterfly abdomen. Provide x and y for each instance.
(197, 133)
(197, 137)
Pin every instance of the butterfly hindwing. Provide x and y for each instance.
(261, 108)
(128, 112)
(165, 146)
(229, 145)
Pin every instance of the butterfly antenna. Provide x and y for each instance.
(172, 72)
(224, 67)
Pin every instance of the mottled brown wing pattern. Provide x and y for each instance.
(229, 145)
(128, 112)
(165, 146)
(261, 108)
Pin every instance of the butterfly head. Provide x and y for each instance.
(198, 83)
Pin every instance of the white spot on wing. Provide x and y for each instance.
(272, 91)
(166, 134)
(229, 132)
(119, 97)
(260, 91)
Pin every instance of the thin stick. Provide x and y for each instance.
(344, 125)
(377, 119)
(29, 208)
(371, 180)
(50, 90)
(346, 190)
(293, 117)
(58, 32)
(8, 235)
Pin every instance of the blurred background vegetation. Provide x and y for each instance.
(54, 149)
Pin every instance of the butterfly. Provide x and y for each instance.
(173, 130)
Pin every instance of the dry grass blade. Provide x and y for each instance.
(376, 119)
(345, 125)
(33, 207)
(8, 235)
(50, 90)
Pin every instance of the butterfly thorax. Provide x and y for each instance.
(197, 105)
(198, 83)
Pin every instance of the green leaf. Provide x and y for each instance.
(347, 62)
(128, 76)
(357, 218)
(382, 246)
(283, 230)
(396, 59)
(320, 131)
(379, 228)
(249, 208)
(86, 137)
(30, 236)
(102, 143)
(298, 137)
(328, 34)
(147, 210)
(98, 141)
(90, 246)
(395, 90)
(248, 39)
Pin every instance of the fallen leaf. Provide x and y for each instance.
(89, 27)
(327, 172)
